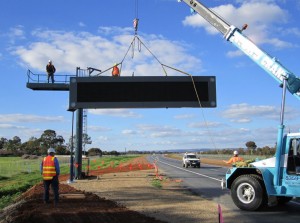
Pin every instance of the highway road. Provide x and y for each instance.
(206, 182)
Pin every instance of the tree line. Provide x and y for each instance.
(251, 149)
(49, 138)
(39, 146)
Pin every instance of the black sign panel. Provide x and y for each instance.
(142, 92)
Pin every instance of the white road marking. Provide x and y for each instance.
(294, 202)
(203, 175)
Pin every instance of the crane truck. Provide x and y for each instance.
(276, 178)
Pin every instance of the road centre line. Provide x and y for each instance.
(294, 202)
(191, 171)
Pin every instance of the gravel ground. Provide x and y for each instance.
(170, 203)
(124, 194)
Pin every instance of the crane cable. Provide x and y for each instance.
(199, 102)
(180, 71)
(139, 44)
(132, 44)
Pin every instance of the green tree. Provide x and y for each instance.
(114, 153)
(48, 138)
(62, 150)
(32, 146)
(2, 142)
(86, 139)
(13, 145)
(251, 146)
(95, 152)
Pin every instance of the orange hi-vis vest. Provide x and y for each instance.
(235, 159)
(115, 71)
(49, 168)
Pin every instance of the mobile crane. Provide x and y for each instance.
(276, 178)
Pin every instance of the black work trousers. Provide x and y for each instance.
(54, 185)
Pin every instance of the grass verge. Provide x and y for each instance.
(156, 183)
(13, 185)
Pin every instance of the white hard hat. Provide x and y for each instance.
(235, 153)
(51, 150)
(50, 61)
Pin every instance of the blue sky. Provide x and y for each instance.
(93, 33)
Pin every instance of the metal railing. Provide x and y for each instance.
(43, 78)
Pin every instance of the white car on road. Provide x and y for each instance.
(190, 159)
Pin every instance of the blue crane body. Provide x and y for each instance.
(276, 179)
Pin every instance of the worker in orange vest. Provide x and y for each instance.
(234, 159)
(50, 170)
(115, 71)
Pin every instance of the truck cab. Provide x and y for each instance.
(254, 187)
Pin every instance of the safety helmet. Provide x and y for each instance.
(115, 64)
(235, 153)
(51, 150)
(50, 61)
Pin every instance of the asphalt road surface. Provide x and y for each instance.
(206, 182)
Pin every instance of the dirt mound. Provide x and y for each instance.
(74, 205)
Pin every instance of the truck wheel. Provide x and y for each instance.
(281, 200)
(247, 193)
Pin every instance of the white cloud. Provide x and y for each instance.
(159, 131)
(129, 132)
(17, 32)
(98, 128)
(242, 120)
(204, 124)
(10, 126)
(236, 53)
(122, 113)
(279, 43)
(81, 24)
(184, 116)
(246, 112)
(114, 30)
(16, 118)
(102, 138)
(293, 31)
(69, 50)
(260, 24)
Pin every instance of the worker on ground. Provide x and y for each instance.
(234, 159)
(50, 69)
(50, 170)
(115, 71)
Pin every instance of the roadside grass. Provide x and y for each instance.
(156, 183)
(106, 162)
(12, 187)
(18, 175)
(17, 179)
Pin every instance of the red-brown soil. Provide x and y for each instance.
(79, 206)
(75, 206)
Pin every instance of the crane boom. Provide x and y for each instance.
(234, 35)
